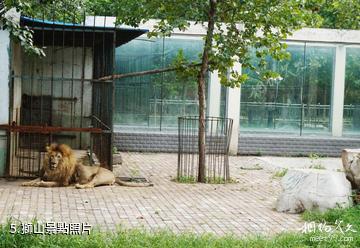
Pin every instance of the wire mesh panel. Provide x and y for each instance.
(217, 140)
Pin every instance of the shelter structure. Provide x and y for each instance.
(58, 97)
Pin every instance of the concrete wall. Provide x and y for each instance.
(34, 78)
(340, 36)
(4, 93)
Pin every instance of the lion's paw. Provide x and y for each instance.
(79, 186)
(26, 184)
(31, 184)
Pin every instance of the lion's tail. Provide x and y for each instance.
(129, 183)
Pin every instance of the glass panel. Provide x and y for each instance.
(223, 97)
(317, 89)
(154, 102)
(179, 94)
(288, 91)
(274, 105)
(352, 92)
(299, 102)
(135, 97)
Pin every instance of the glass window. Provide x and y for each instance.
(223, 96)
(317, 89)
(132, 95)
(274, 105)
(298, 102)
(154, 101)
(352, 92)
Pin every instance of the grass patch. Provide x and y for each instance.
(315, 163)
(189, 179)
(219, 180)
(210, 180)
(140, 238)
(340, 220)
(317, 167)
(280, 173)
(347, 215)
(258, 153)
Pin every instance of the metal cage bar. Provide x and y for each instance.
(218, 132)
(58, 98)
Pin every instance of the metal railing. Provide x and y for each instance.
(218, 133)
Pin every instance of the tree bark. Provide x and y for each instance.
(201, 90)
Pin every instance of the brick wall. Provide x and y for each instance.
(294, 146)
(146, 142)
(249, 144)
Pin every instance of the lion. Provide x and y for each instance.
(61, 168)
(92, 176)
(58, 168)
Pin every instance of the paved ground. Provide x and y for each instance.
(241, 208)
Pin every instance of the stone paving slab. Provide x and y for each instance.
(239, 208)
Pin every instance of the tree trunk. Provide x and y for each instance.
(201, 90)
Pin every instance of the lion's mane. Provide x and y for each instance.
(64, 172)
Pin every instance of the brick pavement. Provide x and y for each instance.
(240, 208)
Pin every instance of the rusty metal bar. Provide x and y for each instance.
(47, 129)
(82, 77)
(218, 133)
(52, 89)
(62, 66)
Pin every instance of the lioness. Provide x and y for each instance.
(58, 168)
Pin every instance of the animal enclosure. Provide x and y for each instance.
(61, 97)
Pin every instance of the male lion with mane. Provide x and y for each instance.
(61, 168)
(58, 168)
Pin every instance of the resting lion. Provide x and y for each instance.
(91, 176)
(58, 168)
(61, 168)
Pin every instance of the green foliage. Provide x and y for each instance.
(340, 14)
(23, 35)
(258, 152)
(318, 167)
(339, 219)
(66, 11)
(274, 19)
(280, 173)
(215, 180)
(315, 163)
(263, 25)
(186, 179)
(352, 77)
(211, 180)
(347, 215)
